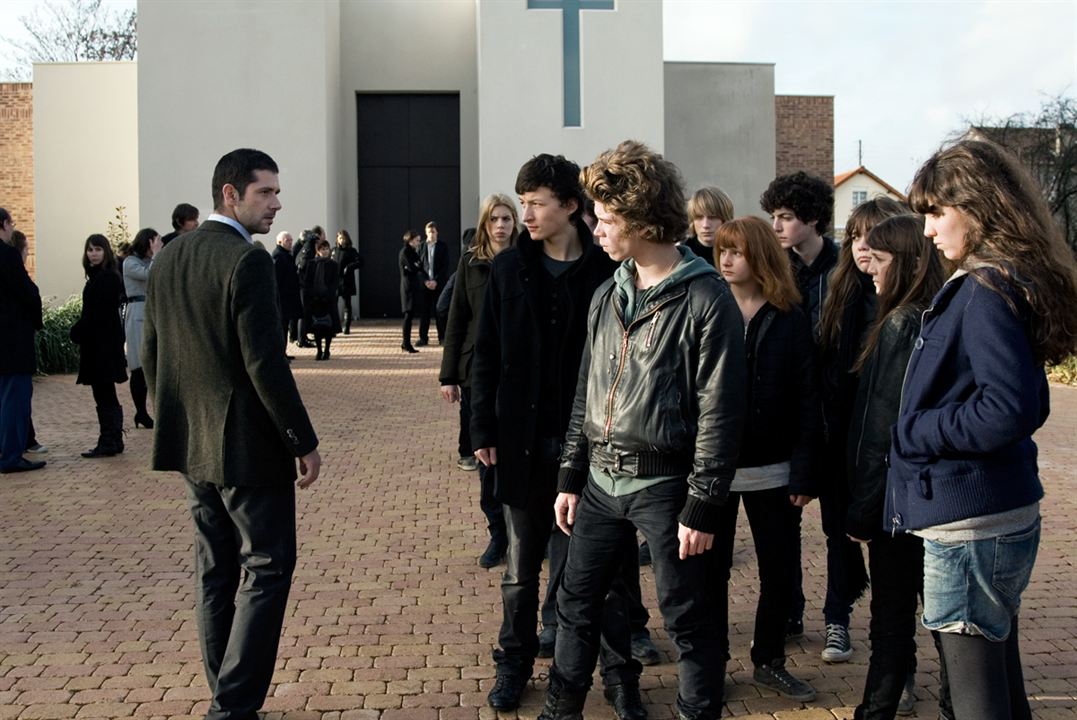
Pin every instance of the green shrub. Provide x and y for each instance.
(1065, 371)
(55, 351)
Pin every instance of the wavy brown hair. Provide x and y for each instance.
(642, 187)
(1010, 230)
(756, 240)
(483, 245)
(914, 276)
(844, 285)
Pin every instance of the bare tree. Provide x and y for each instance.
(1046, 141)
(74, 31)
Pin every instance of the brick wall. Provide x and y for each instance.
(17, 153)
(804, 130)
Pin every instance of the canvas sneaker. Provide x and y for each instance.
(838, 647)
(773, 675)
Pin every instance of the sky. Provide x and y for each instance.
(905, 75)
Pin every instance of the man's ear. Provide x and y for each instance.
(230, 194)
(572, 204)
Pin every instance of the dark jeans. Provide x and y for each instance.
(773, 521)
(897, 576)
(491, 508)
(248, 534)
(604, 525)
(15, 393)
(429, 304)
(346, 317)
(463, 437)
(846, 576)
(529, 530)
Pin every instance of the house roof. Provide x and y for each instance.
(839, 179)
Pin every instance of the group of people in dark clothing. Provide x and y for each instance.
(311, 280)
(649, 371)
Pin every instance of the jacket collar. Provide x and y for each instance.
(531, 250)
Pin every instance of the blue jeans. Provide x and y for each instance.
(974, 587)
(15, 391)
(603, 524)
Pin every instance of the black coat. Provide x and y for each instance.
(347, 258)
(469, 293)
(99, 330)
(320, 284)
(505, 375)
(783, 397)
(410, 278)
(20, 314)
(877, 401)
(813, 280)
(291, 307)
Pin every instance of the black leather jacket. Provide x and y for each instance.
(672, 382)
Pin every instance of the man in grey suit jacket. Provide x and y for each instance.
(229, 417)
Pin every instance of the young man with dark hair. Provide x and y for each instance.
(230, 419)
(801, 207)
(184, 219)
(527, 355)
(654, 436)
(434, 258)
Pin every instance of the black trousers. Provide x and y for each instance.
(429, 308)
(775, 529)
(604, 525)
(897, 579)
(529, 531)
(244, 551)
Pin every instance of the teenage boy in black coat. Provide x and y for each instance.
(523, 380)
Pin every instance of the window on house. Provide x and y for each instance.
(859, 196)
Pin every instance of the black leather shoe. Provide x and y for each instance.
(625, 701)
(507, 690)
(493, 556)
(23, 465)
(547, 640)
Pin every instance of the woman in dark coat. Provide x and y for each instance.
(320, 283)
(410, 284)
(347, 259)
(497, 230)
(99, 335)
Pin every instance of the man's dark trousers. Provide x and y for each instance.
(603, 522)
(427, 308)
(246, 532)
(15, 392)
(529, 531)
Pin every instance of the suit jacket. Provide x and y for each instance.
(228, 411)
(440, 269)
(20, 314)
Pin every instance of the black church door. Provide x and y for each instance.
(409, 173)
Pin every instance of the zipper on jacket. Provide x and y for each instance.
(608, 427)
(650, 330)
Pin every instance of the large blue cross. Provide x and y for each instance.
(570, 34)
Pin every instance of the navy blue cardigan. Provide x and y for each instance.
(972, 397)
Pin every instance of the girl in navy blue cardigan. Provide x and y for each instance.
(963, 472)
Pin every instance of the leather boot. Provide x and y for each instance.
(116, 430)
(625, 700)
(138, 395)
(102, 449)
(562, 703)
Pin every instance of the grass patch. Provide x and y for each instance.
(1064, 372)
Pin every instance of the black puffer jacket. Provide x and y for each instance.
(673, 381)
(783, 396)
(876, 410)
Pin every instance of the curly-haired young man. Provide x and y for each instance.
(654, 436)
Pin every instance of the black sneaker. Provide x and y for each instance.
(794, 629)
(773, 675)
(644, 650)
(838, 647)
(507, 690)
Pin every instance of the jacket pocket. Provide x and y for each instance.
(1014, 557)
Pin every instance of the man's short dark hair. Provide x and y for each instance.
(183, 213)
(561, 176)
(5, 216)
(237, 169)
(810, 198)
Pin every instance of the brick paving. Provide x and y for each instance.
(390, 617)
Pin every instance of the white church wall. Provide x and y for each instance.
(85, 163)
